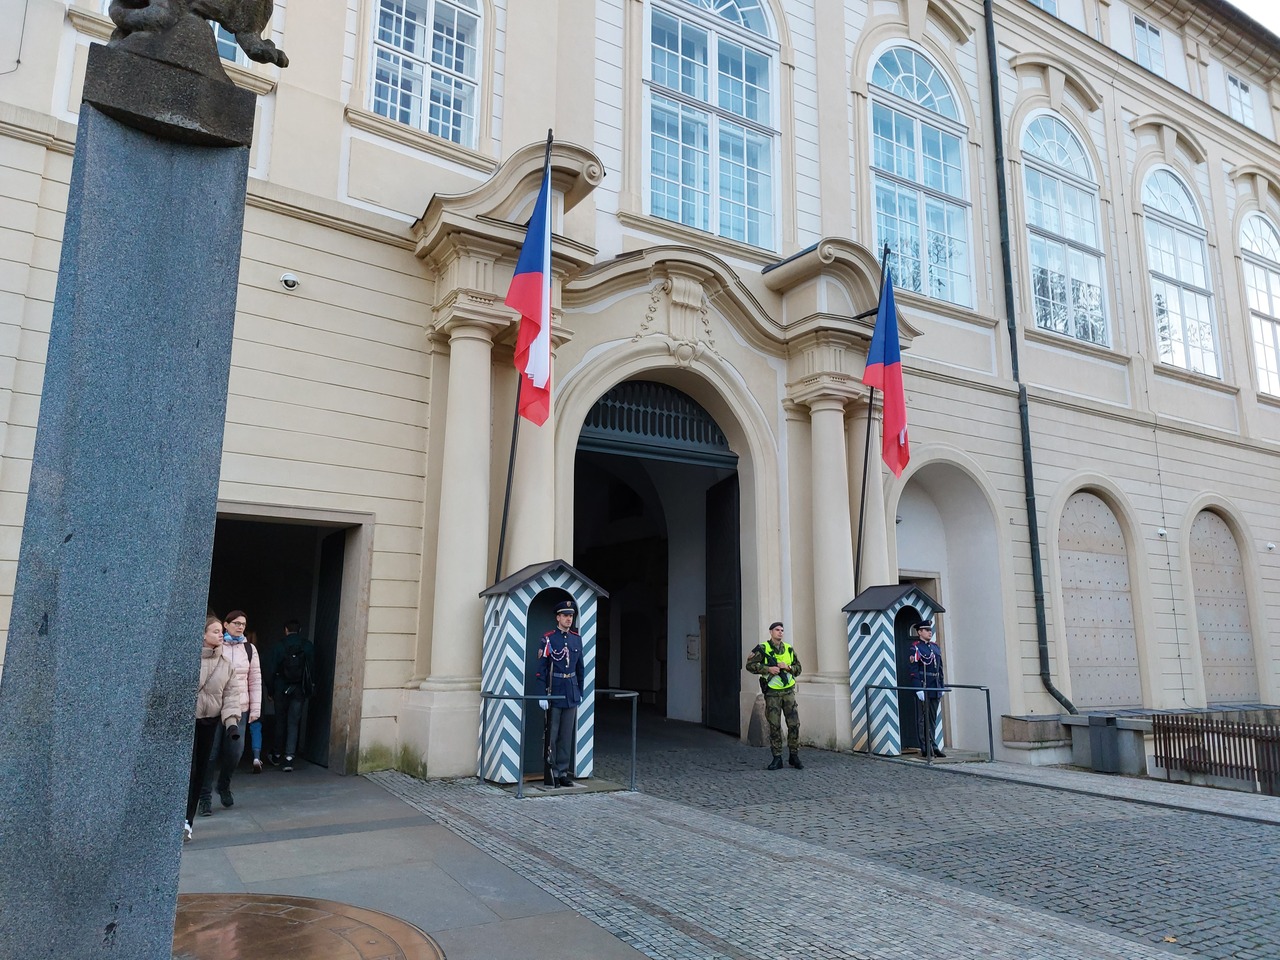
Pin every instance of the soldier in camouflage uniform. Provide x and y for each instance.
(776, 664)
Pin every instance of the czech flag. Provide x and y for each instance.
(530, 293)
(884, 372)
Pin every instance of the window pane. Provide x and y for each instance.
(453, 41)
(1078, 212)
(452, 110)
(397, 88)
(1266, 345)
(1049, 285)
(1086, 298)
(947, 246)
(680, 178)
(401, 25)
(941, 152)
(1042, 201)
(898, 225)
(894, 138)
(1161, 249)
(679, 56)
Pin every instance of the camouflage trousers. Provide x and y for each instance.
(777, 706)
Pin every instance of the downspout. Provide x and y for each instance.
(1024, 420)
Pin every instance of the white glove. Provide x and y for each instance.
(544, 705)
(920, 695)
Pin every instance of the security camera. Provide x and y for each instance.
(289, 281)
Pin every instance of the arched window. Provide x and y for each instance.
(1261, 248)
(1062, 226)
(426, 65)
(712, 128)
(1179, 273)
(917, 159)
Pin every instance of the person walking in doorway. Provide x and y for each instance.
(926, 673)
(776, 664)
(217, 708)
(225, 753)
(560, 669)
(292, 683)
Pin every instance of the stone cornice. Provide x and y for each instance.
(264, 195)
(825, 388)
(1169, 131)
(1058, 74)
(19, 123)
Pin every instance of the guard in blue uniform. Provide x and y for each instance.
(926, 672)
(560, 668)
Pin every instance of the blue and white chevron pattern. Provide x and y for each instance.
(502, 670)
(872, 660)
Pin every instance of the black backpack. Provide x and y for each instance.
(292, 674)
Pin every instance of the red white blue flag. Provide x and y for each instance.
(530, 293)
(884, 372)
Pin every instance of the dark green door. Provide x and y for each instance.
(724, 609)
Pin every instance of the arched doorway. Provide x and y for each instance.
(948, 546)
(656, 522)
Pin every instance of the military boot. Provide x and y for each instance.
(794, 760)
(777, 762)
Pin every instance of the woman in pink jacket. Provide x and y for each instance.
(225, 754)
(217, 699)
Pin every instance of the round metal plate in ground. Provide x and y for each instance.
(258, 926)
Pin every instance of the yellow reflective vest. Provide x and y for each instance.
(781, 681)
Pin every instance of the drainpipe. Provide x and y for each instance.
(1024, 420)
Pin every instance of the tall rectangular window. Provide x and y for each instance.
(1240, 101)
(711, 128)
(426, 65)
(1148, 47)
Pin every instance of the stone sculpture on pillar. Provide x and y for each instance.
(97, 697)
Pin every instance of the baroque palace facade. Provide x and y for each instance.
(1081, 199)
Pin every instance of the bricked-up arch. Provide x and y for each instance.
(1097, 606)
(1222, 612)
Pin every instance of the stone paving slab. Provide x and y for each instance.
(678, 882)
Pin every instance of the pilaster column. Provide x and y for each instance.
(462, 547)
(875, 529)
(832, 536)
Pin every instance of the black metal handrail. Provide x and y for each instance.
(634, 697)
(484, 728)
(866, 709)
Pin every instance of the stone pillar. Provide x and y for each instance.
(97, 702)
(875, 531)
(832, 538)
(462, 547)
(443, 716)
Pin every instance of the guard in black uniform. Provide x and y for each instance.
(926, 672)
(560, 669)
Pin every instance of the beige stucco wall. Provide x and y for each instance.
(338, 389)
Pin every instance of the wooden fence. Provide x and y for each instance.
(1195, 743)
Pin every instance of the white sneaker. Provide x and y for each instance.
(186, 831)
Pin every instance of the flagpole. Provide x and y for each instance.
(866, 453)
(515, 426)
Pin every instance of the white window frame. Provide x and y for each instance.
(1185, 239)
(1048, 6)
(1240, 101)
(1148, 45)
(915, 274)
(1077, 253)
(1262, 290)
(712, 210)
(447, 102)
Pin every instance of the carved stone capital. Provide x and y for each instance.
(825, 390)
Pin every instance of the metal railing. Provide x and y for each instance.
(1194, 743)
(634, 697)
(484, 727)
(866, 711)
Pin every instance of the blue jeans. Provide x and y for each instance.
(255, 738)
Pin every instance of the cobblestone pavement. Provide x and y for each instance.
(716, 857)
(1139, 870)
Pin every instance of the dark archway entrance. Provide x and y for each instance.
(656, 523)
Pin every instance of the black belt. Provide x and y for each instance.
(564, 676)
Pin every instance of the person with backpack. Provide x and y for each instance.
(292, 682)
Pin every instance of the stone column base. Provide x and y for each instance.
(823, 701)
(440, 733)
